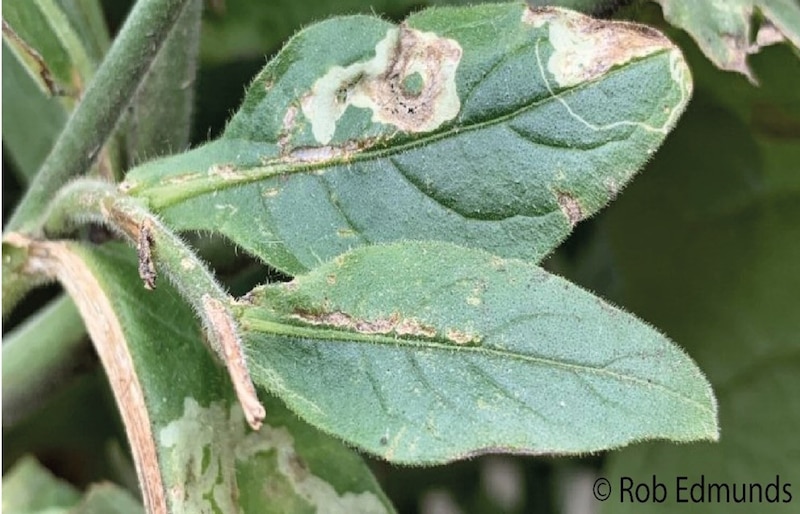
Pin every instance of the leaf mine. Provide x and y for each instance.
(586, 48)
(410, 83)
(394, 324)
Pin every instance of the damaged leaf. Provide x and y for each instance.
(457, 352)
(191, 445)
(724, 30)
(495, 126)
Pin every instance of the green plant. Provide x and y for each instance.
(395, 187)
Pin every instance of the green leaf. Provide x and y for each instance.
(427, 352)
(207, 458)
(528, 122)
(28, 487)
(723, 29)
(707, 247)
(160, 116)
(242, 29)
(39, 356)
(108, 499)
(32, 120)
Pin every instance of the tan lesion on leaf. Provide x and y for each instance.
(393, 324)
(585, 48)
(570, 207)
(144, 250)
(461, 337)
(287, 128)
(32, 56)
(179, 179)
(225, 172)
(409, 84)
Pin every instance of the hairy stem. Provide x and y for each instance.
(102, 106)
(161, 251)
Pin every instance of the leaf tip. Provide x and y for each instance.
(585, 48)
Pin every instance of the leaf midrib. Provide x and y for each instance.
(287, 330)
(161, 196)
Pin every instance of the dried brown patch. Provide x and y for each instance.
(221, 323)
(144, 249)
(34, 57)
(394, 324)
(585, 48)
(287, 127)
(224, 171)
(433, 59)
(409, 84)
(58, 260)
(570, 207)
(462, 338)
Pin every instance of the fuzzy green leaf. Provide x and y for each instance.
(427, 352)
(527, 122)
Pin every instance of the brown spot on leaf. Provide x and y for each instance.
(287, 127)
(585, 48)
(462, 338)
(144, 249)
(393, 324)
(32, 56)
(297, 467)
(410, 84)
(431, 60)
(570, 207)
(224, 171)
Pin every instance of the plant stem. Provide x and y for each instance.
(160, 250)
(102, 106)
(41, 355)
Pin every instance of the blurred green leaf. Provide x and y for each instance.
(707, 246)
(159, 119)
(242, 29)
(32, 120)
(208, 459)
(108, 498)
(30, 488)
(50, 51)
(530, 122)
(723, 29)
(426, 352)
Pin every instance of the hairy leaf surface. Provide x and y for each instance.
(496, 126)
(457, 352)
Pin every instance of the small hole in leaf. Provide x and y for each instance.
(413, 84)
